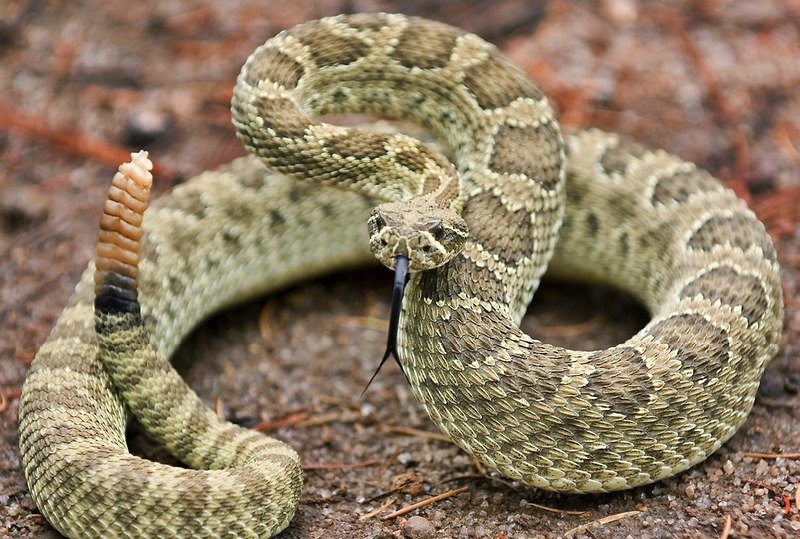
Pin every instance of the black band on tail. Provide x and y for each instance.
(109, 303)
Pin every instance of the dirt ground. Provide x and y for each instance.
(82, 82)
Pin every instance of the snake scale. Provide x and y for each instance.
(571, 421)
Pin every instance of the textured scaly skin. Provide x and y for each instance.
(570, 421)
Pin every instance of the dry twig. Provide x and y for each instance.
(406, 483)
(275, 424)
(71, 142)
(786, 502)
(726, 530)
(571, 330)
(380, 509)
(334, 417)
(419, 433)
(426, 502)
(782, 205)
(480, 467)
(265, 319)
(557, 510)
(770, 455)
(337, 401)
(485, 477)
(775, 403)
(602, 521)
(340, 465)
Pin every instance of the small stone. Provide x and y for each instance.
(145, 127)
(728, 468)
(24, 207)
(408, 483)
(690, 491)
(405, 459)
(622, 12)
(418, 528)
(327, 435)
(367, 410)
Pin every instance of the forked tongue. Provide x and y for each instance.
(400, 275)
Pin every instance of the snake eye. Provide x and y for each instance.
(437, 231)
(375, 223)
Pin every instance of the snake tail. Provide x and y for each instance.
(244, 464)
(119, 243)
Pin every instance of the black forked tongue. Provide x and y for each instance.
(400, 275)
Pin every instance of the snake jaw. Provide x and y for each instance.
(400, 279)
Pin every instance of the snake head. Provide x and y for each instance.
(429, 236)
(407, 237)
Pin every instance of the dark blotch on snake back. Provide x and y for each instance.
(276, 66)
(512, 154)
(679, 186)
(698, 343)
(367, 21)
(616, 159)
(495, 84)
(726, 285)
(740, 230)
(328, 48)
(512, 242)
(425, 45)
(282, 116)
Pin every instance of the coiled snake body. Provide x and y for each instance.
(570, 421)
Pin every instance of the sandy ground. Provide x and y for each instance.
(715, 82)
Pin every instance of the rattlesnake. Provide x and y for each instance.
(643, 221)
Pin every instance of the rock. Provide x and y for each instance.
(405, 459)
(145, 127)
(23, 207)
(408, 483)
(418, 528)
(728, 468)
